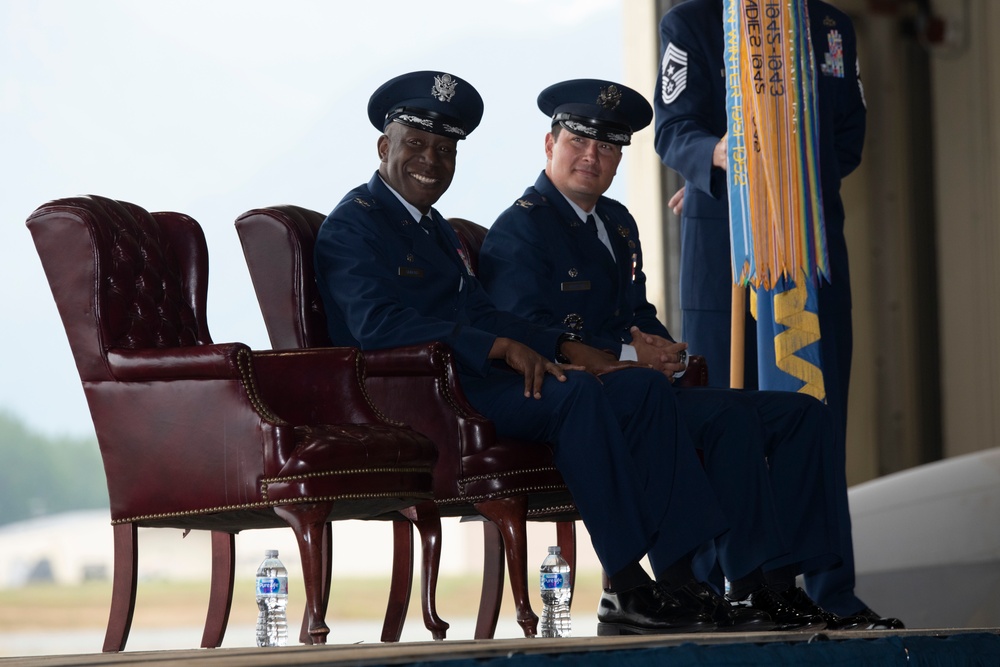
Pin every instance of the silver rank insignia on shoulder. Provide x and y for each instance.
(361, 201)
(524, 203)
(673, 73)
(444, 87)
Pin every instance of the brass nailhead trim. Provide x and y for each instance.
(247, 377)
(310, 499)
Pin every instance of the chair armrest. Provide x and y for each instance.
(195, 362)
(418, 385)
(317, 385)
(696, 374)
(429, 359)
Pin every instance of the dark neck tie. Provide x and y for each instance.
(591, 224)
(431, 229)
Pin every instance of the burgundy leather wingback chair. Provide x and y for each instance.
(478, 473)
(196, 435)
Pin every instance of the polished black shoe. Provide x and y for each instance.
(646, 610)
(800, 600)
(727, 617)
(784, 615)
(872, 621)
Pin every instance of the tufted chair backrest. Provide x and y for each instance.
(123, 278)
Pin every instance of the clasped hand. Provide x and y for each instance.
(658, 352)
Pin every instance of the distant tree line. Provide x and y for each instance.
(41, 475)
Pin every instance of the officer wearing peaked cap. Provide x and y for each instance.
(386, 283)
(596, 109)
(435, 102)
(566, 255)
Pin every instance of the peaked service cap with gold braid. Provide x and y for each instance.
(601, 110)
(431, 101)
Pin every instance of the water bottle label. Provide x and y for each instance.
(552, 580)
(272, 585)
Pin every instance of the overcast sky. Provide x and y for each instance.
(214, 107)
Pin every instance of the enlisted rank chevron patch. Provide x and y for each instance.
(673, 71)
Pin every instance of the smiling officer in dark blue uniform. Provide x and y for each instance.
(389, 275)
(565, 255)
(690, 121)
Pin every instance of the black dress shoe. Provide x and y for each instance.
(875, 622)
(800, 600)
(727, 617)
(785, 616)
(645, 610)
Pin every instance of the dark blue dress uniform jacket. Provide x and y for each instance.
(386, 283)
(540, 262)
(687, 130)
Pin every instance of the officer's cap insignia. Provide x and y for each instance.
(444, 88)
(673, 73)
(573, 273)
(609, 97)
(623, 231)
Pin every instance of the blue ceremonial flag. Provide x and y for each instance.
(777, 231)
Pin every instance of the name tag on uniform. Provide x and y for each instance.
(578, 286)
(410, 272)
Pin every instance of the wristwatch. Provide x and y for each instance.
(684, 360)
(565, 337)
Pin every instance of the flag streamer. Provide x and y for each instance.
(777, 231)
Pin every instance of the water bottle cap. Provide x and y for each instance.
(271, 553)
(555, 550)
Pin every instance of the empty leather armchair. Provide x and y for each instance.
(197, 435)
(477, 473)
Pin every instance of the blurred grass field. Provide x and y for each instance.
(166, 604)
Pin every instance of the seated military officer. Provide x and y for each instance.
(389, 275)
(564, 255)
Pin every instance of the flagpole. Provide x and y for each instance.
(737, 333)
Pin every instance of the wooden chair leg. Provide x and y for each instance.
(510, 516)
(126, 537)
(220, 599)
(308, 520)
(402, 579)
(566, 539)
(492, 594)
(427, 519)
(327, 566)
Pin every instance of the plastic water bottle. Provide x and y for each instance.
(556, 592)
(272, 599)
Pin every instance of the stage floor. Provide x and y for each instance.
(913, 647)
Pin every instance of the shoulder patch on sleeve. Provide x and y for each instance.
(673, 72)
